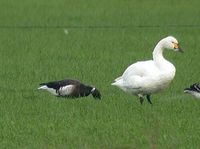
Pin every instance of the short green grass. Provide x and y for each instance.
(104, 37)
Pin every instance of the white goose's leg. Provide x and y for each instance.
(149, 99)
(141, 97)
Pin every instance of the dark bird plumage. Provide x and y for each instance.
(194, 90)
(70, 88)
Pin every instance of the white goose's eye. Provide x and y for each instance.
(175, 45)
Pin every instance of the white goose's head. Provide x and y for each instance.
(170, 43)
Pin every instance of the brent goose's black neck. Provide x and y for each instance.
(86, 90)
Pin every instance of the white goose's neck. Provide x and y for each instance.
(158, 55)
(167, 69)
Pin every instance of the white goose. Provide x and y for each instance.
(144, 78)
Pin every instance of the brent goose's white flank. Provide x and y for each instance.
(70, 88)
(144, 78)
(194, 90)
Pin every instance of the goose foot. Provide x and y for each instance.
(149, 99)
(141, 100)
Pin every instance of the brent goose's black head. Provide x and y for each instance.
(95, 93)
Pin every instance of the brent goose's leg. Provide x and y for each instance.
(149, 99)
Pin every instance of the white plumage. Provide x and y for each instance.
(144, 78)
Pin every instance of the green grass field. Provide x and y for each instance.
(103, 38)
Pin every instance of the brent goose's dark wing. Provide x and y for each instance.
(195, 87)
(194, 90)
(58, 84)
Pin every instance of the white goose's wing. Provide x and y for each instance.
(141, 68)
(139, 73)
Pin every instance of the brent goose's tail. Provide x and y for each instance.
(43, 86)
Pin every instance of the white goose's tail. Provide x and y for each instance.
(116, 81)
(119, 82)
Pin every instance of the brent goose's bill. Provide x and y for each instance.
(194, 90)
(70, 88)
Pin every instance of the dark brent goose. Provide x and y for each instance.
(194, 90)
(70, 88)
